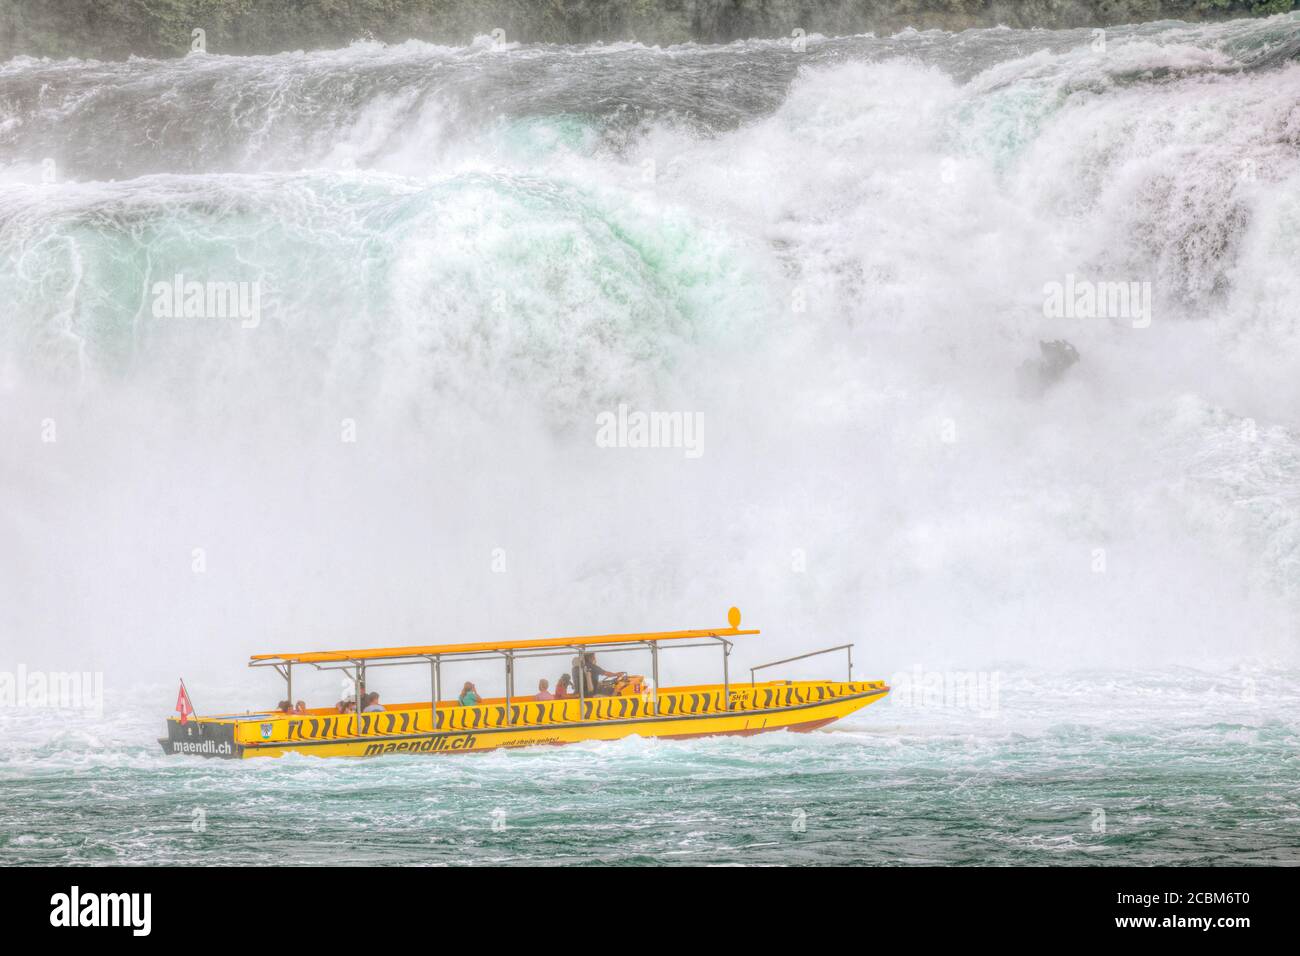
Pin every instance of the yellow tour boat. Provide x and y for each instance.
(625, 706)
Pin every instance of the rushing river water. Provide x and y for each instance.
(446, 263)
(1080, 769)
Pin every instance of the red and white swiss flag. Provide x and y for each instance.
(183, 705)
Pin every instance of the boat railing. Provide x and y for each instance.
(787, 660)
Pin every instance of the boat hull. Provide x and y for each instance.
(682, 714)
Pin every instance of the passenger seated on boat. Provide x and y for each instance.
(564, 687)
(544, 690)
(468, 695)
(285, 707)
(301, 707)
(373, 706)
(347, 706)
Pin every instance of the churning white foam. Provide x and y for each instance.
(843, 287)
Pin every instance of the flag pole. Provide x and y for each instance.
(193, 712)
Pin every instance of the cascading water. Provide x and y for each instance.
(837, 256)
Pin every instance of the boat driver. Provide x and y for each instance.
(594, 672)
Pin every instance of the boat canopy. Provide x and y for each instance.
(493, 648)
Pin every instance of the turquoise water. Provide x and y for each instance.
(1081, 769)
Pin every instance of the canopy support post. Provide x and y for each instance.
(356, 684)
(654, 677)
(726, 676)
(510, 683)
(850, 650)
(582, 685)
(433, 695)
(288, 679)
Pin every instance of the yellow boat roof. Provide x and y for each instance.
(381, 653)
